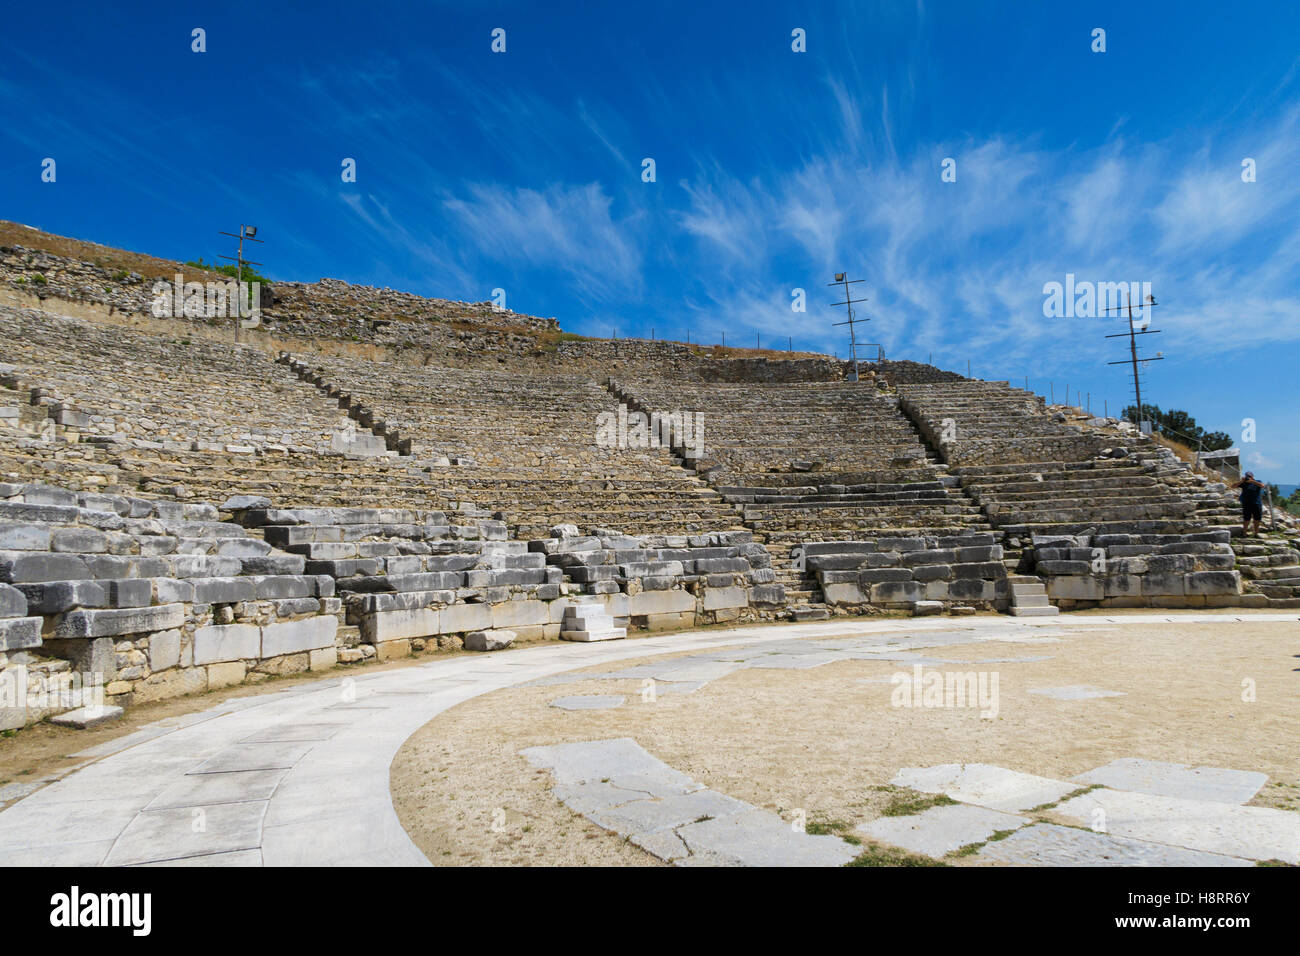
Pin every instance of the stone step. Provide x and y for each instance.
(1035, 611)
(810, 612)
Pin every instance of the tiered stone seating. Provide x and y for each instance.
(145, 598)
(126, 412)
(189, 394)
(1066, 497)
(1035, 474)
(974, 423)
(815, 462)
(407, 577)
(756, 428)
(526, 447)
(666, 581)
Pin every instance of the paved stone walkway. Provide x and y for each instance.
(300, 776)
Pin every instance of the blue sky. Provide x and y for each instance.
(522, 170)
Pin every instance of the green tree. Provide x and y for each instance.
(1179, 426)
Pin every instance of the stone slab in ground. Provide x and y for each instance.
(696, 670)
(157, 835)
(1218, 784)
(759, 838)
(295, 731)
(793, 661)
(678, 687)
(672, 817)
(985, 785)
(1256, 833)
(666, 813)
(1047, 844)
(604, 760)
(86, 717)
(1075, 692)
(267, 756)
(940, 830)
(209, 789)
(589, 702)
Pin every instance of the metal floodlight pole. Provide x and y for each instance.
(249, 233)
(841, 278)
(1133, 354)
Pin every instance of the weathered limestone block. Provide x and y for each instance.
(15, 536)
(727, 597)
(767, 594)
(172, 590)
(1169, 584)
(23, 567)
(86, 655)
(1064, 568)
(393, 650)
(322, 658)
(885, 575)
(383, 627)
(933, 572)
(283, 664)
(291, 637)
(933, 556)
(78, 540)
(223, 590)
(1212, 582)
(1122, 585)
(19, 633)
(514, 614)
(220, 643)
(844, 594)
(173, 682)
(897, 592)
(493, 639)
(111, 622)
(13, 603)
(164, 650)
(225, 674)
(1076, 587)
(459, 618)
(660, 602)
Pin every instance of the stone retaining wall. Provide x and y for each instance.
(917, 574)
(1140, 570)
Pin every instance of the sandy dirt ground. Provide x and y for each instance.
(828, 743)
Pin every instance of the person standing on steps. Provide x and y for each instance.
(1252, 502)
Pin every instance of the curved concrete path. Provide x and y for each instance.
(300, 777)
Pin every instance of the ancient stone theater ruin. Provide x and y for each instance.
(370, 475)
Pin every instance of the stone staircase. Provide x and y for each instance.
(1029, 597)
(1270, 567)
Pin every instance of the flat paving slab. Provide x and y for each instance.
(939, 831)
(622, 788)
(188, 831)
(1217, 784)
(985, 785)
(209, 789)
(759, 838)
(1255, 833)
(1047, 844)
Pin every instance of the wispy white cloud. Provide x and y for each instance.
(569, 228)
